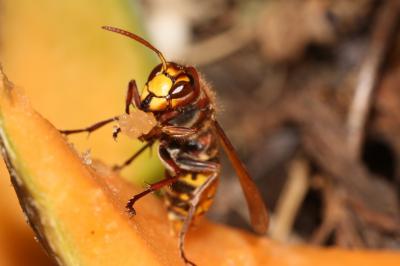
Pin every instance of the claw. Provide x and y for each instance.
(187, 261)
(131, 211)
(129, 207)
(63, 132)
(116, 131)
(184, 258)
(115, 168)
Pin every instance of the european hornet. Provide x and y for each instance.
(187, 131)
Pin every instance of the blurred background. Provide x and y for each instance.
(307, 90)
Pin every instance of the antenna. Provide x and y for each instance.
(139, 39)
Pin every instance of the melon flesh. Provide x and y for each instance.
(77, 210)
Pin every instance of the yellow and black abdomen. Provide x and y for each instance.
(179, 195)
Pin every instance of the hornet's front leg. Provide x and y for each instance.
(132, 94)
(132, 97)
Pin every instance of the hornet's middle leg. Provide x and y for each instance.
(91, 128)
(133, 157)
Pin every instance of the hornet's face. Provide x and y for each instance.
(168, 89)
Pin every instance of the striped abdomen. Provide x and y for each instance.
(178, 196)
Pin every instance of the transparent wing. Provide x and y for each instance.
(258, 212)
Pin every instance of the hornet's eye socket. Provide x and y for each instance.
(181, 89)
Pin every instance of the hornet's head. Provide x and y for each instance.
(169, 86)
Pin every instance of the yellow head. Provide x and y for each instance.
(169, 86)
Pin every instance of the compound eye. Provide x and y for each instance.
(181, 89)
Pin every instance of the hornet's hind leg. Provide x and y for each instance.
(194, 204)
(153, 187)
